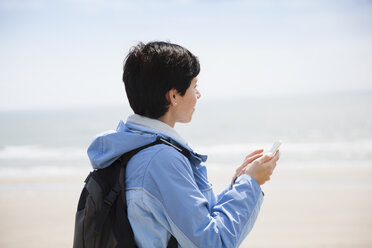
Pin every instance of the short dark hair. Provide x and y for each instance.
(151, 70)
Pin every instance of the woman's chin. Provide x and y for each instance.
(186, 120)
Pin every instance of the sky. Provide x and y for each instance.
(69, 53)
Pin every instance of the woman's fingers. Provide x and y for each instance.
(251, 157)
(264, 158)
(257, 157)
(248, 159)
(269, 160)
(269, 157)
(241, 169)
(276, 158)
(254, 153)
(262, 168)
(277, 155)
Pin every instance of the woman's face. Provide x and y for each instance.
(186, 103)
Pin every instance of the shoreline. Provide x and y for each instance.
(302, 208)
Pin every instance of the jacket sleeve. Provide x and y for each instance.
(189, 215)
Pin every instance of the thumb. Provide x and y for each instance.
(266, 157)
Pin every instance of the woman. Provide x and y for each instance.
(168, 192)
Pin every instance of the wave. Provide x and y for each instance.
(43, 171)
(361, 146)
(36, 160)
(36, 152)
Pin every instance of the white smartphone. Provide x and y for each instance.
(275, 147)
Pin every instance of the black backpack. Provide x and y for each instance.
(101, 217)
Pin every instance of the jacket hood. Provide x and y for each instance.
(110, 145)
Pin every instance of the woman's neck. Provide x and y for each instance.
(167, 120)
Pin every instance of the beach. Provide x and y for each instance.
(292, 71)
(302, 208)
(320, 194)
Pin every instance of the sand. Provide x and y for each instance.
(302, 208)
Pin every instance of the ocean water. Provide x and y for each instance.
(318, 131)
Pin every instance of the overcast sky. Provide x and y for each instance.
(69, 53)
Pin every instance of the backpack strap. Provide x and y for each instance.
(172, 243)
(121, 224)
(111, 197)
(107, 204)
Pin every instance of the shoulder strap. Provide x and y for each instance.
(125, 159)
(119, 218)
(172, 242)
(111, 197)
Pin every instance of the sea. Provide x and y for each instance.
(328, 130)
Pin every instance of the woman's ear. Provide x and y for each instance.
(172, 97)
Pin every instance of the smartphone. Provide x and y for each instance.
(275, 147)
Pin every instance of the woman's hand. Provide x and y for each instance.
(248, 159)
(262, 168)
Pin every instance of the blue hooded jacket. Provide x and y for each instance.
(168, 193)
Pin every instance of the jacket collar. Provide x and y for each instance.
(138, 123)
(156, 125)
